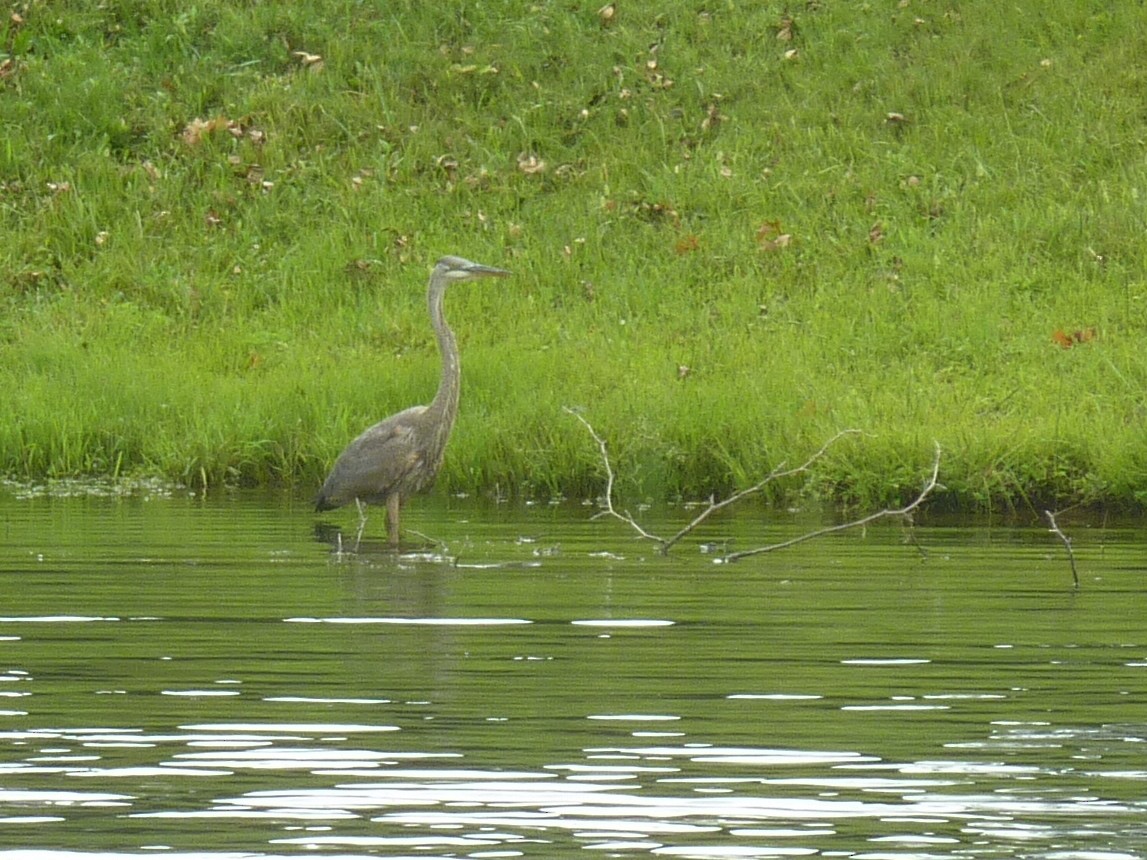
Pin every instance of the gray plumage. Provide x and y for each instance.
(402, 454)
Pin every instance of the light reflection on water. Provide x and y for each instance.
(250, 695)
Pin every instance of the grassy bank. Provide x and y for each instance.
(735, 229)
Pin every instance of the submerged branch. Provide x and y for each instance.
(905, 511)
(1058, 532)
(665, 544)
(610, 510)
(779, 472)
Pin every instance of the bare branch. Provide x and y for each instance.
(665, 544)
(905, 511)
(1058, 532)
(610, 510)
(775, 474)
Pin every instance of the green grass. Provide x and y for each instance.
(959, 184)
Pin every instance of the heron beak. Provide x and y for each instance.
(487, 271)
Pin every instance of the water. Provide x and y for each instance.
(210, 679)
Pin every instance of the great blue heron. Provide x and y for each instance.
(401, 455)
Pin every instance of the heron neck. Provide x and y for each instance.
(445, 400)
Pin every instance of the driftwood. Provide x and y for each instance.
(667, 543)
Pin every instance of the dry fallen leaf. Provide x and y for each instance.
(1067, 341)
(687, 244)
(313, 62)
(655, 212)
(769, 229)
(876, 233)
(530, 164)
(195, 131)
(785, 30)
(770, 236)
(607, 13)
(713, 117)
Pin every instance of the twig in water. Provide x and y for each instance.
(665, 544)
(610, 510)
(779, 472)
(905, 511)
(1058, 532)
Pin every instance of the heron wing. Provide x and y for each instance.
(384, 459)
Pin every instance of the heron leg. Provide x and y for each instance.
(361, 522)
(393, 502)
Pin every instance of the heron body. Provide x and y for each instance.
(401, 455)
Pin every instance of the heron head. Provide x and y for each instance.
(460, 269)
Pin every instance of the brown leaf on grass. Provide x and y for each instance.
(195, 131)
(311, 62)
(713, 117)
(653, 75)
(448, 164)
(530, 164)
(687, 245)
(876, 234)
(655, 212)
(1062, 339)
(786, 30)
(7, 68)
(770, 236)
(769, 229)
(254, 174)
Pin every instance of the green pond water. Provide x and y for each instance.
(194, 678)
